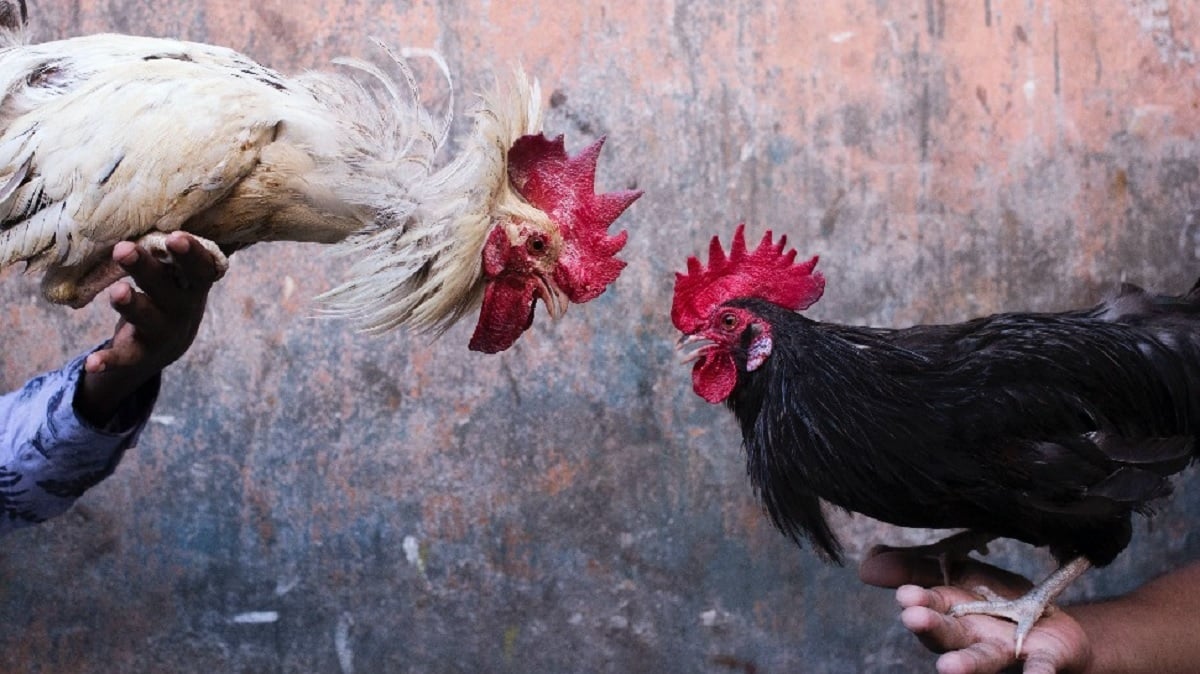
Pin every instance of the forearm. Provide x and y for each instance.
(49, 454)
(1154, 629)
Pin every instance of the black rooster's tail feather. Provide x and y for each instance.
(1101, 476)
(1164, 456)
(1168, 335)
(1130, 486)
(1133, 305)
(1125, 490)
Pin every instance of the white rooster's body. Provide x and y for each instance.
(106, 138)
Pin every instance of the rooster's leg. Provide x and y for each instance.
(1027, 609)
(958, 547)
(67, 285)
(156, 244)
(78, 285)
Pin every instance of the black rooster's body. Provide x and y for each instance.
(1047, 428)
(1051, 429)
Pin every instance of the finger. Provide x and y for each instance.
(938, 599)
(979, 658)
(937, 632)
(142, 315)
(1043, 663)
(195, 263)
(120, 293)
(923, 621)
(893, 567)
(914, 595)
(977, 574)
(155, 278)
(95, 362)
(123, 351)
(127, 354)
(125, 253)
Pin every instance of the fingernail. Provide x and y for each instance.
(129, 257)
(120, 293)
(179, 242)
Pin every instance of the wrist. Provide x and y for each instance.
(99, 396)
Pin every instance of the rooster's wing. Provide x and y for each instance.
(118, 137)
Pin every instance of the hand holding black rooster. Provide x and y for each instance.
(1151, 629)
(973, 644)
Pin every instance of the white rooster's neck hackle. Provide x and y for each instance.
(418, 263)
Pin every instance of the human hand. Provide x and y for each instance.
(973, 644)
(157, 323)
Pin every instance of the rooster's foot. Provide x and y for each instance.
(156, 244)
(1026, 610)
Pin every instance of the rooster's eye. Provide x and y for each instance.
(728, 321)
(536, 244)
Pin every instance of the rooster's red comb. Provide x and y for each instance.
(766, 273)
(564, 188)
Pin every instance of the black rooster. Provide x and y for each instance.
(1047, 428)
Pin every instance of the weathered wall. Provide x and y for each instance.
(570, 505)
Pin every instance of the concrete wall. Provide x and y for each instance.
(392, 504)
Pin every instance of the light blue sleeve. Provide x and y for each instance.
(48, 455)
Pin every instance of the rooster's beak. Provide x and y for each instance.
(555, 299)
(692, 347)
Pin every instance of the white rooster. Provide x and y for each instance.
(106, 138)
